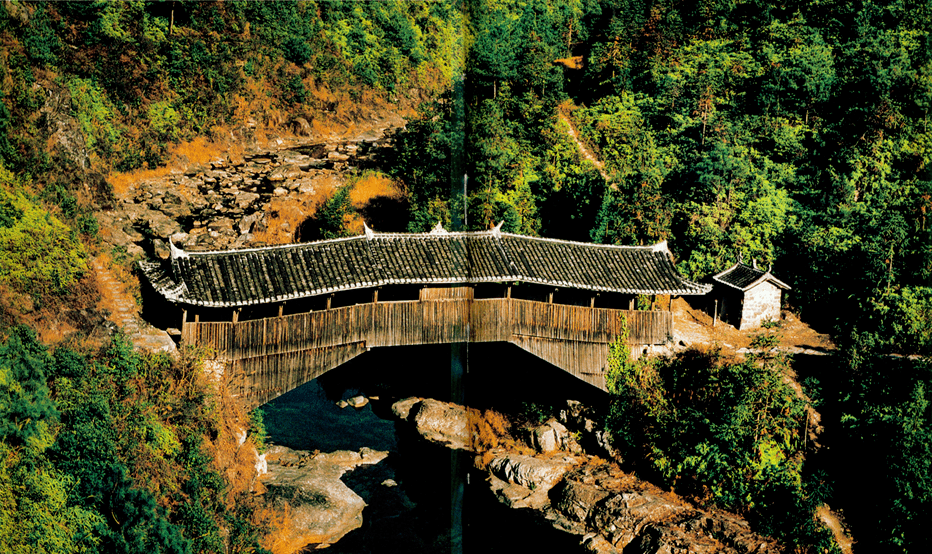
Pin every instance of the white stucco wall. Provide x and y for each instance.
(760, 304)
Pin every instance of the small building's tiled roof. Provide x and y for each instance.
(272, 274)
(744, 277)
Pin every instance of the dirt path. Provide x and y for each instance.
(571, 131)
(831, 521)
(122, 310)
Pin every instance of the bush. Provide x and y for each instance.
(728, 433)
(38, 253)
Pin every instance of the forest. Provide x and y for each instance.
(794, 134)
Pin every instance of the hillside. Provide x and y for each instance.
(794, 134)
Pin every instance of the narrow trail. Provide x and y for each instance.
(588, 154)
(844, 541)
(122, 310)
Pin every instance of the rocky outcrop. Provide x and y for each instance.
(321, 508)
(439, 422)
(223, 205)
(609, 510)
(551, 437)
(595, 439)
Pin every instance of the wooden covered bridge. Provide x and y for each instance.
(280, 316)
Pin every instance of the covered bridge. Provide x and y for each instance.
(280, 316)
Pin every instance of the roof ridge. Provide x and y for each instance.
(660, 246)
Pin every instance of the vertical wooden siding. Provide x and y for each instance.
(269, 357)
(433, 322)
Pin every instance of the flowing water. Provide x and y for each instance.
(440, 504)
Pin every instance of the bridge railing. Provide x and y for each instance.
(427, 322)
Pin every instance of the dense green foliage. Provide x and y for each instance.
(139, 75)
(730, 434)
(795, 133)
(105, 454)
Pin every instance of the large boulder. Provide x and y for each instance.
(530, 472)
(160, 225)
(439, 422)
(322, 508)
(622, 517)
(551, 437)
(575, 500)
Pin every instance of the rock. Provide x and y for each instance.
(300, 127)
(358, 401)
(575, 500)
(516, 496)
(161, 249)
(597, 544)
(342, 404)
(322, 508)
(622, 517)
(553, 436)
(175, 210)
(280, 191)
(64, 131)
(245, 224)
(436, 421)
(285, 173)
(246, 199)
(402, 408)
(161, 226)
(529, 472)
(443, 423)
(389, 483)
(221, 225)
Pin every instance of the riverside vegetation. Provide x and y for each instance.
(793, 133)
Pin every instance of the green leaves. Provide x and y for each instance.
(730, 432)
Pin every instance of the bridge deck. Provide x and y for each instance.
(268, 357)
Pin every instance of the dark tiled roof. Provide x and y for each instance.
(744, 277)
(263, 275)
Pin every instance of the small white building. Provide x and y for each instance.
(747, 296)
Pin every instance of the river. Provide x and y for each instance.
(441, 504)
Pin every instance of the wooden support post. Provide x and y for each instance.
(236, 314)
(670, 305)
(184, 319)
(550, 298)
(508, 292)
(329, 300)
(375, 296)
(631, 304)
(281, 309)
(592, 301)
(197, 317)
(715, 313)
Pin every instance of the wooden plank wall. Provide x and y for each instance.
(585, 360)
(433, 322)
(446, 293)
(255, 381)
(274, 355)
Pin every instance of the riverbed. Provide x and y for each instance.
(439, 503)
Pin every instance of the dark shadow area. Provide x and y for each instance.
(440, 504)
(385, 214)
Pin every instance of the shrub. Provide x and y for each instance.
(38, 253)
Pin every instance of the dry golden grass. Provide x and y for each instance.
(487, 430)
(201, 150)
(287, 213)
(371, 185)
